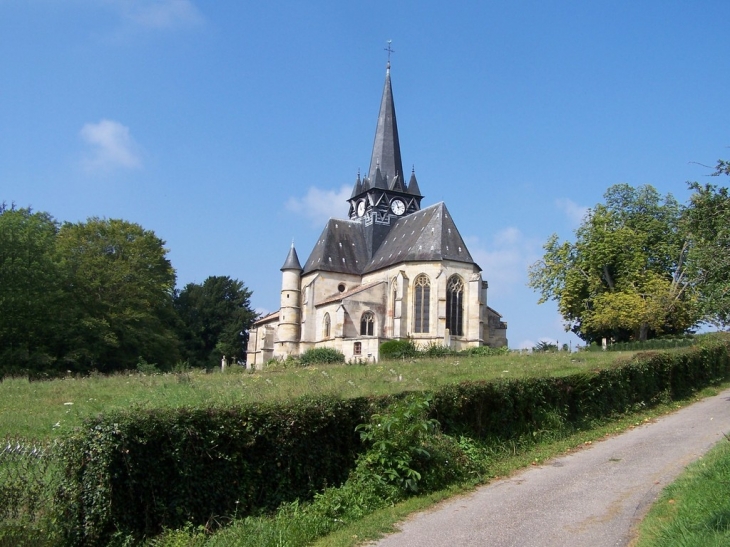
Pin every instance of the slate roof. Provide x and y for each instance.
(424, 236)
(341, 248)
(386, 148)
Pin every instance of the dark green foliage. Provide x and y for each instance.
(398, 349)
(138, 472)
(321, 356)
(121, 282)
(215, 319)
(33, 305)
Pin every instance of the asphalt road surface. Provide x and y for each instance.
(593, 497)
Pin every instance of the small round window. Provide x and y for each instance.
(341, 287)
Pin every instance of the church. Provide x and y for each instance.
(391, 270)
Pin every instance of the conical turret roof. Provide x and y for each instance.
(292, 260)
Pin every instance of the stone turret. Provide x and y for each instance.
(288, 332)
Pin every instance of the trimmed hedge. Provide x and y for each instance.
(513, 408)
(133, 473)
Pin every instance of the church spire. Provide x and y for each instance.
(386, 148)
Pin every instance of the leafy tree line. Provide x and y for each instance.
(100, 295)
(642, 265)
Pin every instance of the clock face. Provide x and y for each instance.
(398, 207)
(361, 208)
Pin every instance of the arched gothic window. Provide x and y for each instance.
(455, 305)
(367, 324)
(422, 303)
(326, 326)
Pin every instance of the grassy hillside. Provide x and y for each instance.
(46, 409)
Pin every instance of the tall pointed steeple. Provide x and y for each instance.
(386, 148)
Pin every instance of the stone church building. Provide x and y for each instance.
(392, 270)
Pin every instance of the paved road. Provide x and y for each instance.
(590, 498)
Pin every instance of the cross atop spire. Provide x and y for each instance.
(389, 50)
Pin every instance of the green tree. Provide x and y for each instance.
(122, 284)
(216, 317)
(624, 276)
(708, 224)
(32, 303)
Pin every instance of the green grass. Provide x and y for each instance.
(47, 409)
(693, 511)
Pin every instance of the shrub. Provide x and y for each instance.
(321, 356)
(147, 368)
(398, 349)
(437, 350)
(486, 351)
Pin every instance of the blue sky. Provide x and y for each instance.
(231, 128)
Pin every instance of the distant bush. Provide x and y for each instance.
(398, 349)
(437, 350)
(321, 356)
(486, 351)
(545, 347)
(147, 368)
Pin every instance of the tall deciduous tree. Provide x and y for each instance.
(624, 277)
(217, 316)
(122, 287)
(708, 225)
(31, 298)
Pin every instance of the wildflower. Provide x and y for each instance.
(67, 404)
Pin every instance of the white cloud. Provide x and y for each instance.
(158, 14)
(111, 146)
(505, 260)
(576, 213)
(320, 205)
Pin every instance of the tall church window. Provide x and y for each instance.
(422, 300)
(455, 306)
(326, 326)
(367, 324)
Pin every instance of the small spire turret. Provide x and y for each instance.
(292, 260)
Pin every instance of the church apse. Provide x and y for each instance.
(391, 270)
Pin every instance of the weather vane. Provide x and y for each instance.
(389, 50)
